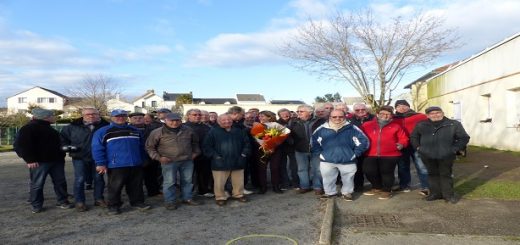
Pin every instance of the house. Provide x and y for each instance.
(149, 101)
(45, 98)
(250, 99)
(483, 93)
(223, 101)
(118, 103)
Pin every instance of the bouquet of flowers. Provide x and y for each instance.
(269, 136)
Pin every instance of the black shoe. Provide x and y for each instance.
(277, 190)
(65, 205)
(262, 190)
(432, 198)
(88, 187)
(36, 210)
(113, 211)
(452, 200)
(170, 206)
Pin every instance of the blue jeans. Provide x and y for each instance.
(306, 160)
(169, 172)
(81, 170)
(38, 175)
(403, 169)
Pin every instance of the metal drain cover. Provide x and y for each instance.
(386, 221)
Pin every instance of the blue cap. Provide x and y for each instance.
(163, 110)
(118, 112)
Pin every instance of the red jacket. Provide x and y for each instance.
(409, 120)
(383, 142)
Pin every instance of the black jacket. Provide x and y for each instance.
(227, 149)
(301, 132)
(79, 135)
(441, 141)
(37, 141)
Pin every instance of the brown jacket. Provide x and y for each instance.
(177, 146)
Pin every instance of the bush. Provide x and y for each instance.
(15, 120)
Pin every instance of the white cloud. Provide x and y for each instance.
(314, 8)
(240, 49)
(146, 52)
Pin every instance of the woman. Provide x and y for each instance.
(268, 119)
(387, 138)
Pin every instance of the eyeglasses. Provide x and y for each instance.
(360, 109)
(329, 108)
(301, 111)
(196, 114)
(385, 114)
(336, 117)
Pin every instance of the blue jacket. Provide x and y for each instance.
(340, 147)
(117, 146)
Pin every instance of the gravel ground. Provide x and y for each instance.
(291, 216)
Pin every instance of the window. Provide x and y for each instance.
(154, 103)
(143, 104)
(485, 115)
(513, 109)
(52, 100)
(22, 99)
(42, 100)
(457, 111)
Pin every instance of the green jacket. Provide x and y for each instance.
(226, 149)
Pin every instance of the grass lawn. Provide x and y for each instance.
(4, 148)
(501, 181)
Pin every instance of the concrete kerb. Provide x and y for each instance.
(326, 225)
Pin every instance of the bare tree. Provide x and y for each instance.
(95, 91)
(371, 56)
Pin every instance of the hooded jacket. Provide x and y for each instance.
(342, 146)
(439, 140)
(79, 135)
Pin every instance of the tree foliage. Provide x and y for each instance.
(371, 55)
(95, 91)
(181, 100)
(328, 98)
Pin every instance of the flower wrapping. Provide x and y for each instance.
(269, 136)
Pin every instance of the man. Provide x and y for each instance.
(338, 143)
(250, 172)
(322, 113)
(76, 138)
(361, 115)
(39, 146)
(227, 147)
(161, 114)
(288, 158)
(438, 140)
(151, 168)
(237, 116)
(118, 150)
(175, 146)
(212, 119)
(409, 119)
(204, 117)
(204, 178)
(301, 132)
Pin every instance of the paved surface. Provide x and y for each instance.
(289, 216)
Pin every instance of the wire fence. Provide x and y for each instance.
(8, 135)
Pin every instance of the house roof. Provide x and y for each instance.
(214, 101)
(172, 96)
(250, 97)
(431, 74)
(148, 93)
(48, 90)
(290, 102)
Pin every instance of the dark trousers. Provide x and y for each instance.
(289, 169)
(359, 177)
(274, 162)
(203, 175)
(380, 171)
(403, 168)
(150, 177)
(38, 175)
(81, 170)
(440, 176)
(129, 177)
(250, 170)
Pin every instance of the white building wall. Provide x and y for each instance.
(32, 95)
(487, 87)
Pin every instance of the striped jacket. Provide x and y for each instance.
(116, 146)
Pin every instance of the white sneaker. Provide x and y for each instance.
(209, 195)
(248, 192)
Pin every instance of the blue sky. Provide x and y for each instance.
(212, 48)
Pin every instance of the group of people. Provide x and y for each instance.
(217, 156)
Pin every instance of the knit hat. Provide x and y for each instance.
(432, 108)
(401, 102)
(39, 113)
